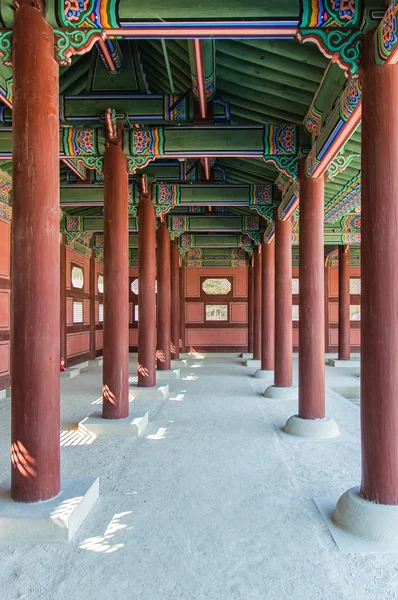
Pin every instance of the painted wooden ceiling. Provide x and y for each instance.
(263, 81)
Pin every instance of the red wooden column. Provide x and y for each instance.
(163, 300)
(359, 510)
(268, 308)
(35, 347)
(146, 291)
(257, 304)
(311, 300)
(115, 373)
(283, 376)
(344, 303)
(250, 299)
(183, 347)
(175, 300)
(310, 421)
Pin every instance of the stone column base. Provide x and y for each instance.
(132, 425)
(281, 393)
(348, 364)
(252, 362)
(162, 376)
(375, 522)
(260, 374)
(313, 429)
(55, 520)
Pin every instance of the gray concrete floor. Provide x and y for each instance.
(209, 504)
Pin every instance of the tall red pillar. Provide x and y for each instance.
(268, 308)
(257, 304)
(310, 421)
(163, 300)
(311, 299)
(362, 511)
(115, 371)
(175, 300)
(35, 348)
(379, 300)
(283, 376)
(146, 291)
(183, 347)
(344, 303)
(250, 299)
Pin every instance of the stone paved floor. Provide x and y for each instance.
(209, 504)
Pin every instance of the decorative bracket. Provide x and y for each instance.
(339, 164)
(286, 164)
(334, 26)
(69, 42)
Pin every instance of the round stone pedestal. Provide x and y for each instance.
(314, 429)
(376, 522)
(260, 374)
(281, 393)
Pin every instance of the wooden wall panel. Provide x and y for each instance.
(194, 312)
(226, 336)
(239, 312)
(69, 311)
(133, 337)
(99, 339)
(332, 324)
(78, 343)
(216, 337)
(193, 277)
(334, 312)
(5, 244)
(86, 312)
(5, 310)
(4, 359)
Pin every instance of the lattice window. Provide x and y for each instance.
(295, 312)
(77, 312)
(216, 287)
(77, 277)
(135, 287)
(100, 284)
(355, 312)
(100, 313)
(295, 285)
(216, 312)
(355, 285)
(136, 313)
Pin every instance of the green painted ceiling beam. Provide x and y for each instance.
(88, 224)
(176, 141)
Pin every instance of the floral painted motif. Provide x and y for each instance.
(148, 141)
(74, 9)
(280, 140)
(344, 8)
(88, 13)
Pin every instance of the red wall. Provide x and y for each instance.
(79, 335)
(5, 297)
(332, 316)
(133, 301)
(223, 336)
